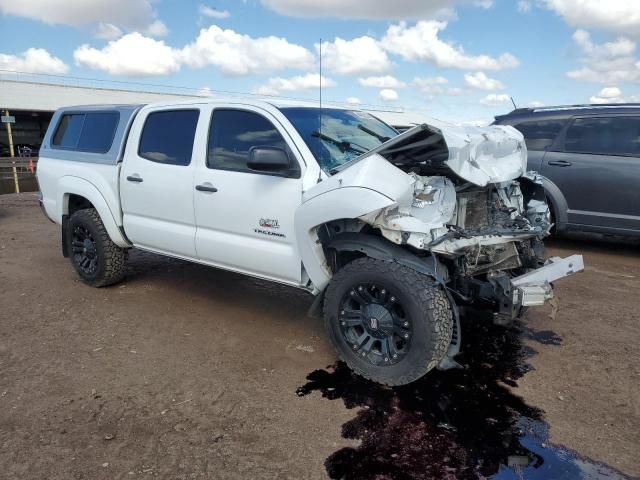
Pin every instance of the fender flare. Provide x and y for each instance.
(340, 203)
(70, 185)
(381, 249)
(559, 203)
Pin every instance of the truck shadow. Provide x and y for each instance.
(463, 423)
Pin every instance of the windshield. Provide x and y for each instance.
(344, 136)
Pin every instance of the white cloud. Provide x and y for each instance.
(354, 101)
(613, 95)
(239, 54)
(388, 95)
(382, 82)
(156, 29)
(486, 4)
(421, 42)
(360, 56)
(211, 12)
(524, 6)
(480, 81)
(130, 55)
(380, 9)
(620, 16)
(435, 86)
(278, 85)
(606, 63)
(495, 99)
(108, 31)
(33, 60)
(124, 14)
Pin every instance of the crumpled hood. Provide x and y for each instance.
(480, 155)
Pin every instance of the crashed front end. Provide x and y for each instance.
(472, 205)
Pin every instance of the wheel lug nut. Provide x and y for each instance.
(386, 359)
(406, 335)
(406, 324)
(343, 323)
(383, 291)
(359, 289)
(352, 293)
(355, 347)
(395, 355)
(364, 354)
(342, 312)
(393, 299)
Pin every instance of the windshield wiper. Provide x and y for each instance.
(382, 138)
(343, 145)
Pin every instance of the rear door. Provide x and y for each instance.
(596, 165)
(156, 181)
(539, 135)
(245, 219)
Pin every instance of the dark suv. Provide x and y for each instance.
(590, 158)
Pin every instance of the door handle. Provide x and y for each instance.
(206, 188)
(134, 178)
(559, 163)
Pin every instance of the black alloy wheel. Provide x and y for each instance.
(374, 323)
(84, 250)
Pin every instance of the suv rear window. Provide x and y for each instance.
(86, 132)
(167, 136)
(604, 136)
(540, 134)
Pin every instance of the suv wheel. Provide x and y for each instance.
(389, 323)
(98, 260)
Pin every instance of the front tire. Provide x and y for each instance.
(387, 322)
(98, 260)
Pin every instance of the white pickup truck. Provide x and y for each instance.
(391, 232)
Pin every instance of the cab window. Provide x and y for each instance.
(167, 136)
(234, 132)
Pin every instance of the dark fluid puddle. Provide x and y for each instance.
(456, 424)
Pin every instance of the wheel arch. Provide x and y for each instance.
(558, 202)
(76, 193)
(340, 203)
(382, 249)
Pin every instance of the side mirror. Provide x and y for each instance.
(269, 160)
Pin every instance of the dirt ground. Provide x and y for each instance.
(184, 371)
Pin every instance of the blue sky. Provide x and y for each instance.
(459, 60)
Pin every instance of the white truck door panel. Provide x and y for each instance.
(247, 223)
(157, 181)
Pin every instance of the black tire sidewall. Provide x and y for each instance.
(423, 344)
(84, 218)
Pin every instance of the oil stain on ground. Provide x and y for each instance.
(452, 425)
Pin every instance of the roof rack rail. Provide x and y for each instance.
(580, 105)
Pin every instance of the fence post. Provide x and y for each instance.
(13, 161)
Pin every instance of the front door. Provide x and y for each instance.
(156, 182)
(596, 165)
(245, 219)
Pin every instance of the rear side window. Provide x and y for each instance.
(604, 136)
(233, 133)
(86, 132)
(540, 134)
(167, 136)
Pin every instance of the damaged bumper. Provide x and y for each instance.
(531, 289)
(534, 288)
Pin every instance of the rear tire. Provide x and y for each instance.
(98, 260)
(387, 322)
